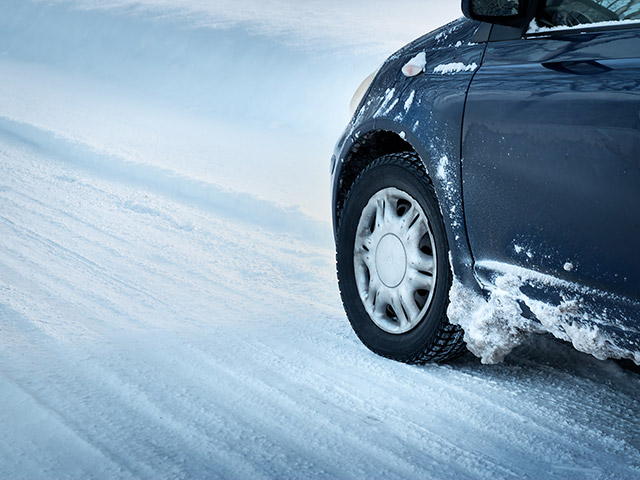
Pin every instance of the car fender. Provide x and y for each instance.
(426, 113)
(446, 181)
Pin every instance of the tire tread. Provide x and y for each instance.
(447, 343)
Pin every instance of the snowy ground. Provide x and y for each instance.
(168, 306)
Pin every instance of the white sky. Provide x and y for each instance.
(299, 102)
(377, 24)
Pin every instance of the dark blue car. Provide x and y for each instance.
(487, 186)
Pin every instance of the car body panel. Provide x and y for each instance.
(536, 179)
(427, 111)
(551, 157)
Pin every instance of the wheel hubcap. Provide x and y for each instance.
(391, 260)
(395, 261)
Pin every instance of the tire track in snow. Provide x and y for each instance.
(88, 460)
(456, 418)
(400, 432)
(157, 444)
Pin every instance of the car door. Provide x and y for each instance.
(551, 156)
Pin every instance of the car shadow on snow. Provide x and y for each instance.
(545, 352)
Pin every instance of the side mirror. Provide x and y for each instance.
(513, 13)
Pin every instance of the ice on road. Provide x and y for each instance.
(168, 302)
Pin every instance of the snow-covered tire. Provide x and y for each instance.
(390, 240)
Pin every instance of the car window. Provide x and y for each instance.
(571, 13)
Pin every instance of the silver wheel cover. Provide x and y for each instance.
(395, 261)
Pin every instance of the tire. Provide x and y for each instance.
(393, 263)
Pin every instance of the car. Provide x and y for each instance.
(487, 185)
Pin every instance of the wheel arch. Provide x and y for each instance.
(384, 136)
(364, 149)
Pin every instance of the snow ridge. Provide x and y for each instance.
(173, 184)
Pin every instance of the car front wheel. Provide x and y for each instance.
(393, 265)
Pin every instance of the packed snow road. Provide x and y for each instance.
(144, 337)
(168, 302)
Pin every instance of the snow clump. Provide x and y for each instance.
(409, 102)
(455, 67)
(415, 66)
(495, 325)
